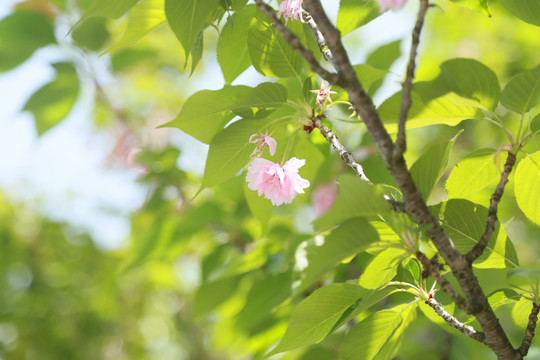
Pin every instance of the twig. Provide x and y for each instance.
(529, 332)
(480, 246)
(348, 159)
(406, 102)
(295, 43)
(345, 154)
(433, 268)
(327, 54)
(455, 323)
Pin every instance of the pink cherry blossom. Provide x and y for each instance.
(323, 94)
(262, 141)
(323, 198)
(279, 184)
(390, 4)
(290, 9)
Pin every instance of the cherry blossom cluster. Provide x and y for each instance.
(278, 183)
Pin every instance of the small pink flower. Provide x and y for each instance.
(390, 4)
(323, 198)
(262, 141)
(323, 94)
(278, 184)
(290, 9)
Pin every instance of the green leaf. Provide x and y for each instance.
(427, 170)
(527, 186)
(347, 240)
(313, 319)
(22, 33)
(211, 294)
(196, 51)
(265, 294)
(502, 297)
(526, 10)
(521, 311)
(448, 109)
(230, 151)
(125, 58)
(53, 102)
(355, 13)
(370, 77)
(107, 8)
(142, 19)
(472, 174)
(525, 278)
(472, 79)
(478, 5)
(206, 112)
(246, 262)
(261, 101)
(382, 268)
(384, 56)
(318, 352)
(523, 91)
(356, 198)
(465, 223)
(535, 124)
(370, 298)
(232, 50)
(270, 54)
(370, 336)
(91, 34)
(391, 348)
(237, 4)
(187, 19)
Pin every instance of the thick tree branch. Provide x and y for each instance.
(295, 43)
(480, 246)
(406, 102)
(496, 338)
(455, 323)
(529, 332)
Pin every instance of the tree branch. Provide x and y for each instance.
(455, 323)
(406, 102)
(529, 332)
(345, 154)
(433, 268)
(295, 43)
(327, 54)
(480, 246)
(416, 207)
